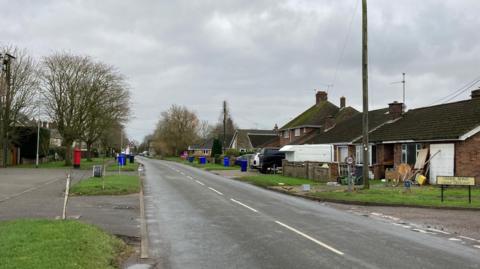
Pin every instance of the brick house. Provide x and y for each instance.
(450, 131)
(251, 139)
(344, 134)
(322, 115)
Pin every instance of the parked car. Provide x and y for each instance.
(270, 158)
(256, 161)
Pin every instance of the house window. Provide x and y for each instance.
(304, 130)
(343, 153)
(297, 132)
(285, 134)
(410, 153)
(372, 154)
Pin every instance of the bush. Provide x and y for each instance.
(232, 153)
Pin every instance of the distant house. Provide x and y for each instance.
(203, 149)
(322, 115)
(450, 131)
(251, 139)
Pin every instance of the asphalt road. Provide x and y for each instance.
(200, 220)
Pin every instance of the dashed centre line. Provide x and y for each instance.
(215, 190)
(189, 177)
(199, 182)
(310, 238)
(244, 205)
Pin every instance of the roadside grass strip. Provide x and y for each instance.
(276, 180)
(114, 185)
(58, 244)
(125, 168)
(84, 164)
(417, 196)
(310, 238)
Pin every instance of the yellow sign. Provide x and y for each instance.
(459, 181)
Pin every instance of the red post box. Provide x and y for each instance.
(77, 157)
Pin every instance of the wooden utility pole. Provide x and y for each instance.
(365, 94)
(224, 124)
(5, 108)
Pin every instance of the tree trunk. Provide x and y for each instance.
(89, 152)
(68, 153)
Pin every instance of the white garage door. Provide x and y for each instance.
(443, 163)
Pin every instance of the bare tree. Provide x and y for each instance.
(108, 103)
(65, 88)
(176, 130)
(18, 102)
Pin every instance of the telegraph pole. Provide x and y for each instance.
(5, 108)
(365, 94)
(224, 124)
(403, 82)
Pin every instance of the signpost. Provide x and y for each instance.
(444, 181)
(349, 160)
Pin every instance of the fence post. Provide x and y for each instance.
(67, 188)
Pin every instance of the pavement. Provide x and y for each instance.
(39, 193)
(197, 219)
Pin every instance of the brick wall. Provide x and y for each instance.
(467, 158)
(292, 137)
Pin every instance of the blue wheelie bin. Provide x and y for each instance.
(203, 160)
(243, 165)
(226, 161)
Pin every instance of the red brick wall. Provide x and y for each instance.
(292, 137)
(397, 154)
(467, 158)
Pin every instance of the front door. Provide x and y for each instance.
(443, 162)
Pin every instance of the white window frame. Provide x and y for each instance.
(297, 132)
(359, 154)
(286, 134)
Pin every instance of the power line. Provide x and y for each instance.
(457, 92)
(347, 38)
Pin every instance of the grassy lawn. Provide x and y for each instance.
(423, 196)
(84, 164)
(114, 185)
(57, 244)
(274, 180)
(128, 167)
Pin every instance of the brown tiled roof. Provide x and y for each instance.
(314, 116)
(347, 130)
(440, 122)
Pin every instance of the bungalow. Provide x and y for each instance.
(203, 149)
(344, 134)
(450, 131)
(315, 118)
(251, 139)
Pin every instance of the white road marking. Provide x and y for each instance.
(189, 177)
(215, 190)
(423, 231)
(244, 205)
(454, 239)
(476, 246)
(469, 238)
(199, 182)
(311, 238)
(438, 231)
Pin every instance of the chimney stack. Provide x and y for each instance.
(395, 110)
(476, 94)
(329, 122)
(343, 102)
(321, 96)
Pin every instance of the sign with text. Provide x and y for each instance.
(456, 181)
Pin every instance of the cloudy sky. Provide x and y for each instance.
(264, 57)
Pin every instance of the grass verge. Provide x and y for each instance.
(274, 180)
(378, 194)
(128, 167)
(84, 164)
(57, 244)
(114, 185)
(425, 196)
